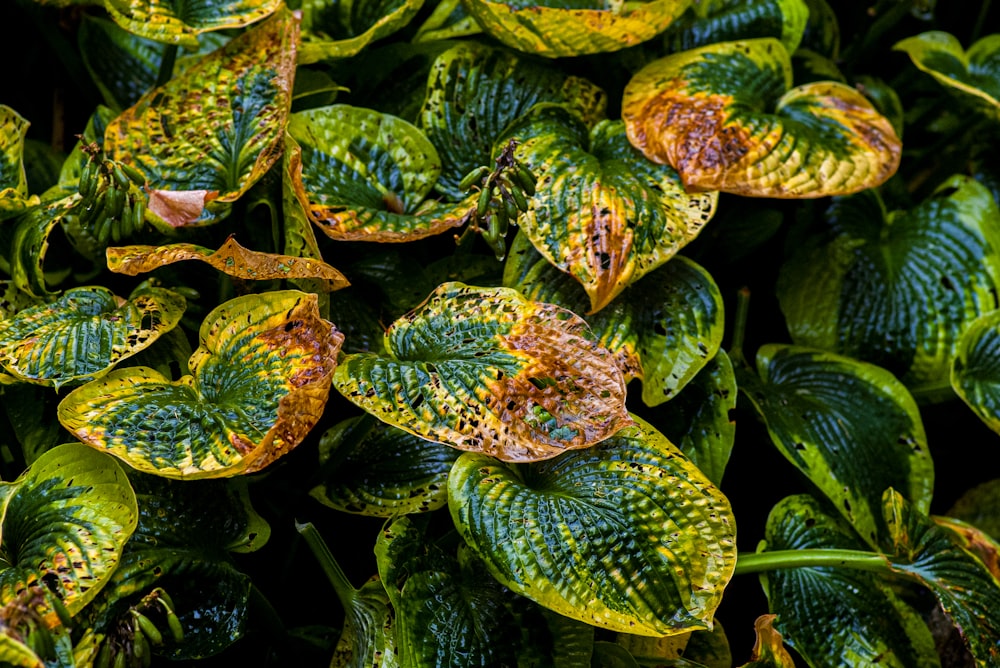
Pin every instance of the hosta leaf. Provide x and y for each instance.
(723, 116)
(13, 181)
(449, 20)
(662, 329)
(850, 427)
(123, 65)
(572, 28)
(934, 557)
(474, 91)
(837, 616)
(484, 369)
(974, 73)
(342, 28)
(628, 535)
(369, 635)
(259, 383)
(768, 649)
(712, 21)
(382, 471)
(897, 289)
(231, 258)
(980, 506)
(364, 176)
(65, 523)
(975, 372)
(31, 242)
(210, 133)
(31, 410)
(179, 22)
(822, 32)
(602, 212)
(84, 333)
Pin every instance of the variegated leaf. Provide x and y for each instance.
(13, 182)
(341, 28)
(180, 22)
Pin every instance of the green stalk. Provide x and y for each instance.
(759, 562)
(977, 29)
(740, 327)
(166, 65)
(345, 591)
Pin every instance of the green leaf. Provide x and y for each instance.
(896, 289)
(571, 28)
(193, 159)
(13, 181)
(123, 65)
(602, 212)
(484, 369)
(628, 535)
(381, 471)
(449, 20)
(31, 410)
(474, 91)
(980, 506)
(84, 333)
(837, 616)
(662, 329)
(975, 373)
(259, 382)
(712, 21)
(342, 28)
(850, 427)
(974, 74)
(65, 523)
(364, 176)
(31, 242)
(723, 116)
(822, 31)
(178, 22)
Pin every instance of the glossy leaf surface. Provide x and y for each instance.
(13, 182)
(122, 64)
(484, 369)
(980, 506)
(259, 382)
(712, 21)
(896, 289)
(65, 523)
(723, 116)
(975, 369)
(850, 427)
(179, 22)
(364, 176)
(569, 28)
(628, 535)
(231, 259)
(210, 133)
(601, 211)
(342, 28)
(662, 329)
(30, 243)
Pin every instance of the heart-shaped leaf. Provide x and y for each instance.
(474, 91)
(974, 74)
(231, 258)
(342, 28)
(850, 427)
(210, 133)
(723, 116)
(364, 176)
(573, 28)
(628, 535)
(602, 212)
(177, 22)
(259, 382)
(897, 289)
(484, 369)
(712, 21)
(662, 329)
(84, 333)
(13, 181)
(65, 523)
(975, 372)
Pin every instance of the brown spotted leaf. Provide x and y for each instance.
(486, 370)
(231, 258)
(180, 22)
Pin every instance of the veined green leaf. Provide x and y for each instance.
(897, 289)
(558, 28)
(259, 382)
(850, 427)
(712, 21)
(203, 138)
(723, 116)
(65, 523)
(974, 74)
(602, 212)
(342, 28)
(13, 181)
(84, 333)
(822, 31)
(364, 176)
(980, 506)
(628, 535)
(179, 22)
(123, 65)
(31, 242)
(475, 91)
(449, 20)
(484, 369)
(975, 372)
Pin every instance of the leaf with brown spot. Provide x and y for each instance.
(486, 370)
(177, 22)
(259, 382)
(231, 258)
(724, 118)
(769, 649)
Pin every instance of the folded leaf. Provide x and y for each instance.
(177, 22)
(342, 28)
(975, 371)
(13, 182)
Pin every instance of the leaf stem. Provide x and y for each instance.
(759, 562)
(977, 28)
(345, 591)
(740, 327)
(166, 65)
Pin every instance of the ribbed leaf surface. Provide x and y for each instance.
(30, 243)
(723, 116)
(484, 369)
(259, 382)
(975, 369)
(711, 21)
(628, 535)
(122, 64)
(342, 28)
(181, 21)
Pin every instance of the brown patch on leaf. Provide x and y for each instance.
(769, 649)
(180, 208)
